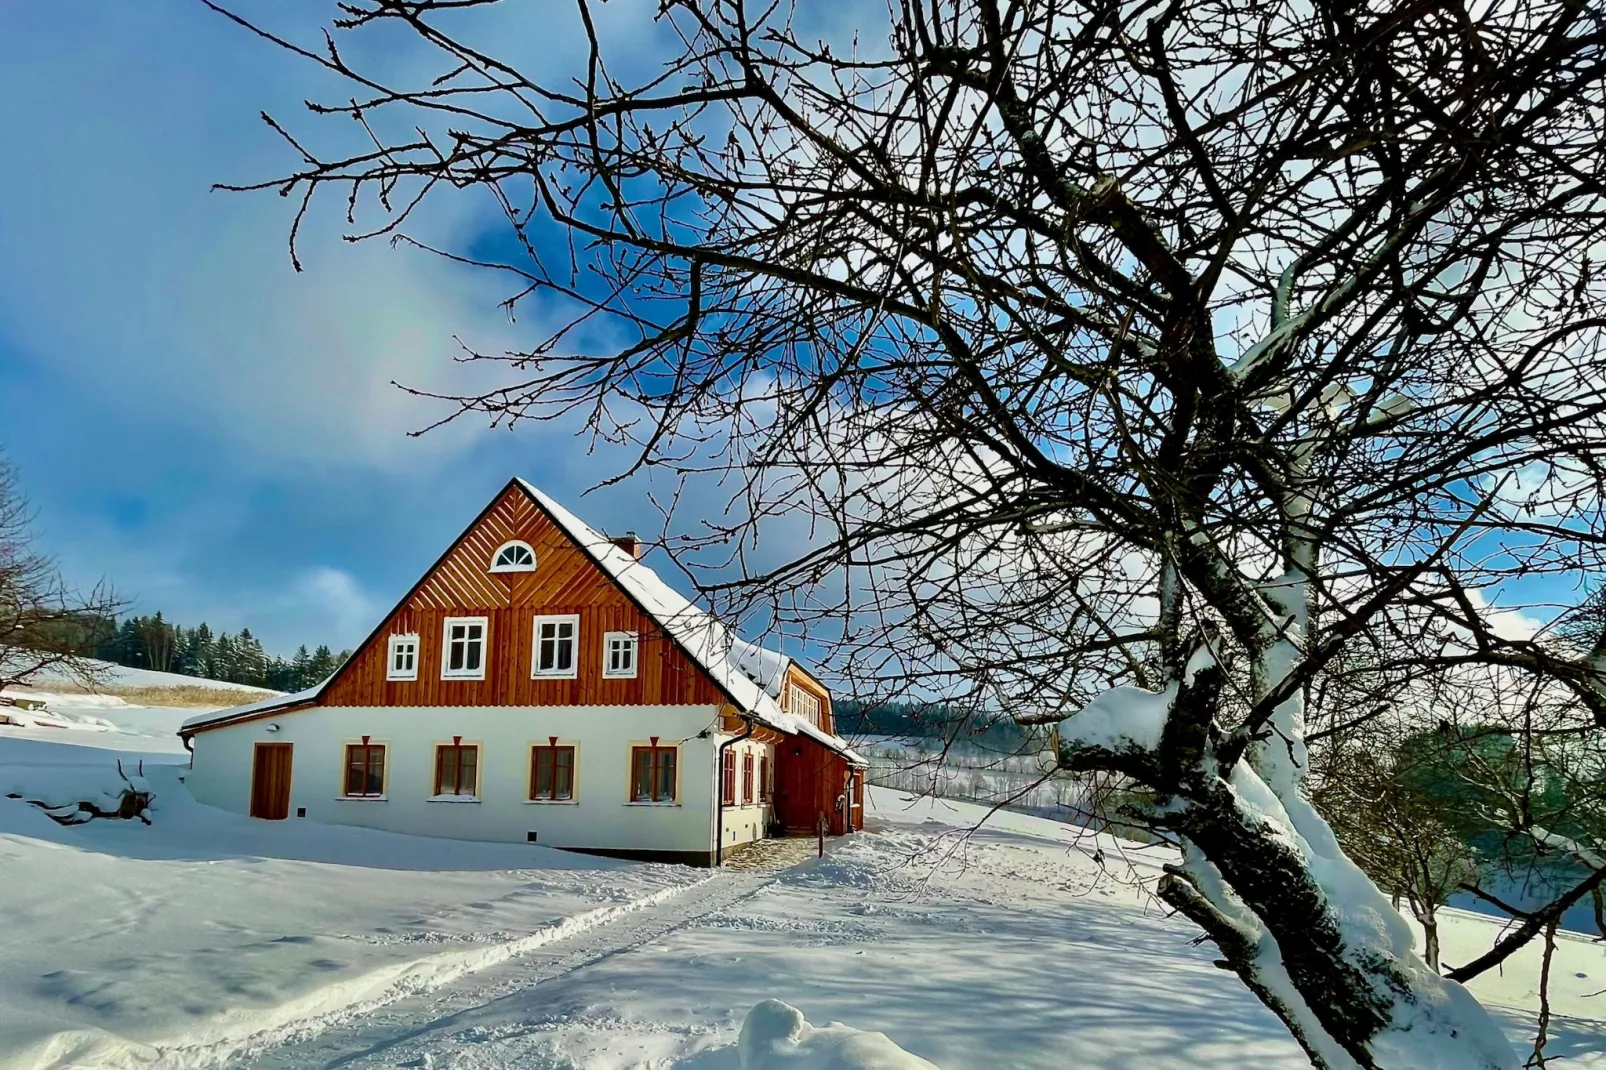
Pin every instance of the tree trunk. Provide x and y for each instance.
(1427, 915)
(1304, 928)
(1430, 941)
(1270, 876)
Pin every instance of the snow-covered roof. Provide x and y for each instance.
(266, 705)
(765, 667)
(749, 674)
(723, 656)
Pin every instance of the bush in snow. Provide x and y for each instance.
(73, 795)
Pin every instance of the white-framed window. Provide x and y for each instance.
(804, 705)
(402, 661)
(515, 556)
(619, 655)
(556, 637)
(463, 648)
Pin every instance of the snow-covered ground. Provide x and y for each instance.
(177, 943)
(207, 939)
(121, 724)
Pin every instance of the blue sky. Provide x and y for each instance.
(211, 432)
(195, 422)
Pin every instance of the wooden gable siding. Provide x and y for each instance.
(795, 674)
(565, 580)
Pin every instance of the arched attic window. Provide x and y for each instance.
(513, 556)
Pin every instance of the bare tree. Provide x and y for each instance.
(1127, 364)
(45, 626)
(1433, 765)
(1395, 830)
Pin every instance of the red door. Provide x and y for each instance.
(795, 786)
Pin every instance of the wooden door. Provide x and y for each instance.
(270, 781)
(797, 788)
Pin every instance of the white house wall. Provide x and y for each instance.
(601, 816)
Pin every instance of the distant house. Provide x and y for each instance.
(541, 684)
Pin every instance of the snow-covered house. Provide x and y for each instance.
(540, 683)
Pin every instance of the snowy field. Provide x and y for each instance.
(108, 711)
(206, 939)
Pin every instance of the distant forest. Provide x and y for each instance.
(154, 643)
(924, 720)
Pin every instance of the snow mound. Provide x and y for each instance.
(1122, 718)
(776, 1036)
(54, 786)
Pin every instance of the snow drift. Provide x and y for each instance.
(775, 1036)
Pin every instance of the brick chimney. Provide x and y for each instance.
(630, 543)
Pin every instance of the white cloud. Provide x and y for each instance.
(144, 288)
(336, 597)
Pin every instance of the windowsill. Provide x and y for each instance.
(444, 676)
(453, 798)
(552, 802)
(634, 803)
(618, 676)
(362, 798)
(555, 675)
(401, 679)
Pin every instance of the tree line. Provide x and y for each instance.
(151, 642)
(909, 719)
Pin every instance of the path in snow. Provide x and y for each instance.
(402, 1033)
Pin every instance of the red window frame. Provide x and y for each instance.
(559, 760)
(365, 763)
(727, 793)
(653, 774)
(747, 779)
(764, 790)
(463, 762)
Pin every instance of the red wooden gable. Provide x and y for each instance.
(565, 580)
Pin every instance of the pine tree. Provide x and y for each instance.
(196, 651)
(321, 666)
(251, 660)
(110, 645)
(300, 670)
(225, 663)
(126, 647)
(156, 641)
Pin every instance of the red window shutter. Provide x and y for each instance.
(729, 793)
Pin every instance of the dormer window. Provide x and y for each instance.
(513, 556)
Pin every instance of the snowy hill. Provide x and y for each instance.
(131, 708)
(119, 677)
